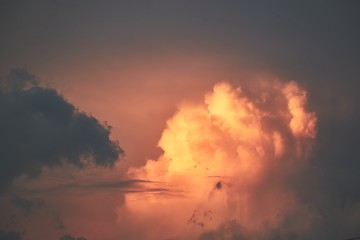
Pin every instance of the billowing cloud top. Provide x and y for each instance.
(40, 128)
(233, 156)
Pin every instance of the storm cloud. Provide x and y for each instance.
(40, 128)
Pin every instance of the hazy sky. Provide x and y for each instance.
(218, 83)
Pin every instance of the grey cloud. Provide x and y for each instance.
(69, 237)
(333, 192)
(17, 80)
(18, 210)
(40, 128)
(28, 205)
(9, 235)
(231, 230)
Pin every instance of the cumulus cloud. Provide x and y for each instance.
(254, 163)
(234, 155)
(40, 128)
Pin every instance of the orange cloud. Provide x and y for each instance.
(230, 157)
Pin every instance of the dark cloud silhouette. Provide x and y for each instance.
(40, 128)
(69, 237)
(9, 235)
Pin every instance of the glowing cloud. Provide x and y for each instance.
(230, 157)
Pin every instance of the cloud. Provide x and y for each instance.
(125, 186)
(33, 207)
(326, 188)
(9, 235)
(40, 128)
(330, 184)
(232, 230)
(227, 231)
(69, 237)
(234, 155)
(28, 205)
(33, 218)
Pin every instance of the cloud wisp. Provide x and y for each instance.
(126, 186)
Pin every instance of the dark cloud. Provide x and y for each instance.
(232, 230)
(24, 214)
(27, 206)
(17, 80)
(40, 128)
(69, 237)
(30, 207)
(331, 185)
(9, 235)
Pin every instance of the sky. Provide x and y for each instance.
(199, 120)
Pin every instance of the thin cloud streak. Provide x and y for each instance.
(126, 186)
